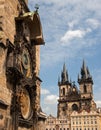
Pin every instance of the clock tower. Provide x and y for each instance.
(20, 42)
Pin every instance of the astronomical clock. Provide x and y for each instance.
(21, 67)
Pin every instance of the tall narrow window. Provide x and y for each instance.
(63, 91)
(85, 89)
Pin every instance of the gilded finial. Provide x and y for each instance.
(36, 7)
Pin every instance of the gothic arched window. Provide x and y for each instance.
(74, 107)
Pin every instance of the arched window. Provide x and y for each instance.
(85, 89)
(63, 91)
(74, 107)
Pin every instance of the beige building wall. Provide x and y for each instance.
(53, 123)
(85, 120)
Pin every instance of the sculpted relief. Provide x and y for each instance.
(24, 101)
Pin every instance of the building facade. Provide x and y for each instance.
(86, 120)
(53, 123)
(20, 40)
(77, 105)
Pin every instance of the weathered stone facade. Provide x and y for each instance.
(70, 97)
(20, 40)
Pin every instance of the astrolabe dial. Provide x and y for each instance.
(26, 63)
(25, 104)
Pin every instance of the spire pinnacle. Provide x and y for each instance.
(85, 74)
(84, 70)
(64, 74)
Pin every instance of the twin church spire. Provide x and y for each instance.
(84, 75)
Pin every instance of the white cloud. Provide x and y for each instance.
(72, 23)
(44, 91)
(50, 109)
(72, 34)
(50, 99)
(98, 103)
(93, 23)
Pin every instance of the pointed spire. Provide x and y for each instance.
(64, 74)
(58, 79)
(85, 74)
(64, 68)
(84, 64)
(88, 73)
(84, 70)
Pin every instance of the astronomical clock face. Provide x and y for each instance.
(25, 104)
(26, 63)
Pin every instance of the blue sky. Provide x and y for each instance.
(72, 32)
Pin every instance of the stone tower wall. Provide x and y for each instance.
(88, 88)
(9, 9)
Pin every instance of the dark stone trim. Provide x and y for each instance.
(2, 45)
(23, 3)
(3, 105)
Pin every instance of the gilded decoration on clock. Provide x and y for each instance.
(25, 104)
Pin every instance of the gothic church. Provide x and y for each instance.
(70, 97)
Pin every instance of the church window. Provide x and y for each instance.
(74, 107)
(63, 91)
(85, 89)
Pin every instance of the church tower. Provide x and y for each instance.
(86, 87)
(72, 98)
(69, 96)
(64, 86)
